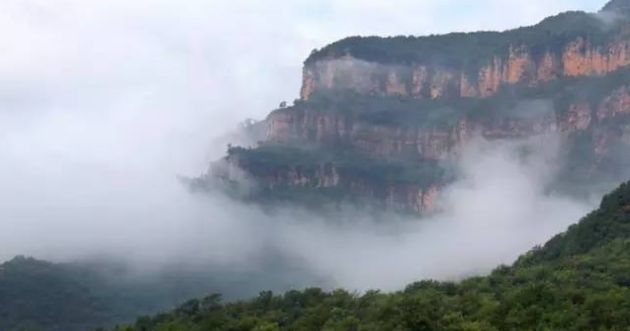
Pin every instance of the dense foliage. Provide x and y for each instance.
(469, 50)
(274, 167)
(38, 295)
(578, 281)
(275, 159)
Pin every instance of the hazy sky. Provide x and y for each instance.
(227, 59)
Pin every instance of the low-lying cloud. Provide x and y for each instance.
(498, 209)
(103, 104)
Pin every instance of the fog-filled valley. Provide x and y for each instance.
(124, 130)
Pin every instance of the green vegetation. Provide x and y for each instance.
(273, 164)
(277, 159)
(38, 295)
(578, 281)
(391, 111)
(471, 50)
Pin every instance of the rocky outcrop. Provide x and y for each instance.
(415, 198)
(580, 58)
(618, 103)
(578, 117)
(291, 125)
(303, 124)
(431, 142)
(577, 58)
(418, 101)
(526, 119)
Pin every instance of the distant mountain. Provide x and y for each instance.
(43, 296)
(38, 295)
(580, 280)
(380, 121)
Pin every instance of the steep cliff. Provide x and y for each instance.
(381, 120)
(330, 177)
(475, 64)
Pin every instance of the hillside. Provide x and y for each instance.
(381, 122)
(85, 295)
(577, 281)
(39, 295)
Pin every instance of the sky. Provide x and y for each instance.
(104, 103)
(227, 59)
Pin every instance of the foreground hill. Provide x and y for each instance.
(579, 280)
(381, 121)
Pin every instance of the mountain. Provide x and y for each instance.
(618, 6)
(381, 122)
(579, 280)
(85, 295)
(39, 295)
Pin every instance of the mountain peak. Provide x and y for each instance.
(617, 6)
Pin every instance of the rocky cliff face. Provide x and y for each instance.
(327, 178)
(519, 65)
(292, 125)
(377, 115)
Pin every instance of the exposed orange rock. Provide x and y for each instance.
(419, 80)
(308, 83)
(440, 83)
(295, 125)
(490, 78)
(395, 85)
(616, 104)
(547, 68)
(280, 126)
(518, 64)
(578, 58)
(578, 117)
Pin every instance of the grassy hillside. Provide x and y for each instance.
(579, 280)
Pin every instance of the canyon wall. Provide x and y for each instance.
(403, 106)
(518, 66)
(326, 177)
(438, 142)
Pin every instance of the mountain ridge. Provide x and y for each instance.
(617, 5)
(566, 77)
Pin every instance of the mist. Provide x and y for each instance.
(499, 208)
(102, 107)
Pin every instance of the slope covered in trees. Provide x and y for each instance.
(79, 296)
(39, 295)
(579, 280)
